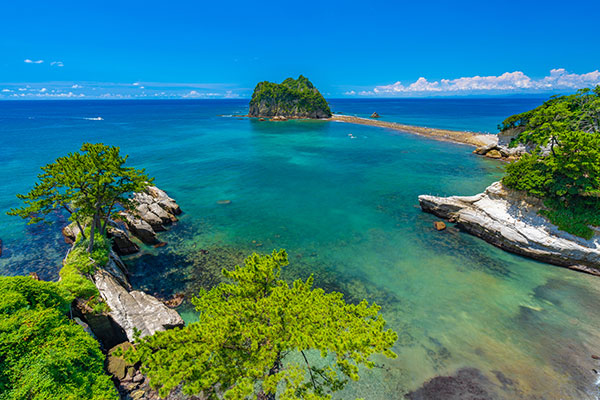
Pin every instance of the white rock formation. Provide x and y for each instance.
(133, 309)
(511, 221)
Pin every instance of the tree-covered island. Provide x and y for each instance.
(292, 98)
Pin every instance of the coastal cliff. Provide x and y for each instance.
(292, 98)
(510, 220)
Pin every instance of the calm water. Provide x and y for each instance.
(345, 209)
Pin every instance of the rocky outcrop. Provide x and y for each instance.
(292, 98)
(503, 149)
(153, 210)
(375, 115)
(121, 241)
(131, 309)
(510, 220)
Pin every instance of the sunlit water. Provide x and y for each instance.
(346, 210)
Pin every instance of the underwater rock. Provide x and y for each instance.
(466, 384)
(439, 225)
(510, 220)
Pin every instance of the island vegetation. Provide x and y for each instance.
(563, 166)
(292, 98)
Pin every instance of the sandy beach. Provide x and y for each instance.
(471, 138)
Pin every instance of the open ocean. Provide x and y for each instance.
(346, 210)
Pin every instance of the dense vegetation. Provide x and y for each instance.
(258, 336)
(79, 266)
(563, 168)
(90, 185)
(44, 355)
(290, 98)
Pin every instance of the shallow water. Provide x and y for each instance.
(346, 210)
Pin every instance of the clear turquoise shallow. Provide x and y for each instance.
(346, 210)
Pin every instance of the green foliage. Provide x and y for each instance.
(89, 185)
(292, 97)
(44, 355)
(259, 335)
(567, 177)
(577, 112)
(79, 265)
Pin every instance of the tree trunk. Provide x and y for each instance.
(275, 369)
(92, 232)
(105, 222)
(80, 229)
(95, 223)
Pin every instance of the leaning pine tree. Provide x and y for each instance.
(258, 338)
(88, 185)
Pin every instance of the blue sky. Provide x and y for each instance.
(221, 49)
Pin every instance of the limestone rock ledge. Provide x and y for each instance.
(510, 220)
(131, 309)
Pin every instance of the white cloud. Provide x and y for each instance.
(57, 64)
(195, 93)
(76, 86)
(28, 61)
(6, 90)
(43, 90)
(507, 82)
(350, 93)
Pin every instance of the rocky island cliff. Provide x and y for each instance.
(292, 98)
(510, 220)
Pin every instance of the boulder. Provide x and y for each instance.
(439, 225)
(140, 228)
(144, 212)
(122, 243)
(70, 232)
(117, 366)
(484, 149)
(164, 200)
(164, 216)
(511, 221)
(375, 115)
(493, 154)
(134, 309)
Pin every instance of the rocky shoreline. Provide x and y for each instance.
(510, 220)
(129, 310)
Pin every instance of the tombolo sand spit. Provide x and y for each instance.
(471, 138)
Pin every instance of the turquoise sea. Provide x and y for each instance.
(346, 210)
